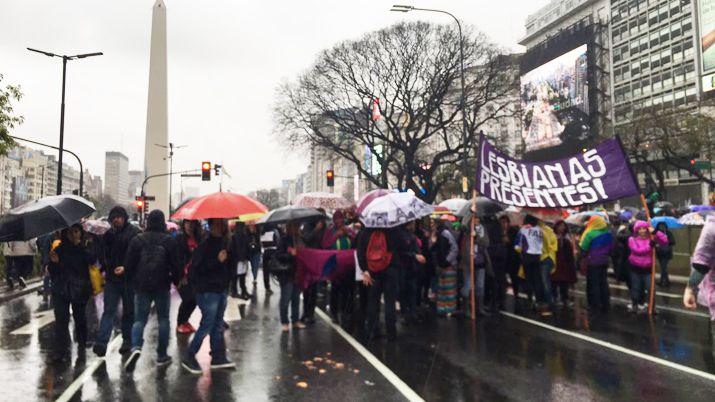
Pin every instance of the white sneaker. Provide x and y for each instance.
(631, 309)
(642, 308)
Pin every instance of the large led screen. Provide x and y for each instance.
(554, 100)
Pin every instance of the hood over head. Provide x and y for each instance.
(155, 221)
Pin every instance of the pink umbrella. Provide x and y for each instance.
(326, 201)
(367, 198)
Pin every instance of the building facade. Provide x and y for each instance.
(116, 177)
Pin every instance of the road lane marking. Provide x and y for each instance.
(87, 373)
(657, 293)
(658, 307)
(389, 375)
(617, 348)
(38, 321)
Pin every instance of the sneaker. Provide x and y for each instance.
(163, 361)
(285, 328)
(298, 325)
(21, 281)
(99, 350)
(222, 363)
(132, 360)
(185, 328)
(191, 365)
(642, 308)
(631, 308)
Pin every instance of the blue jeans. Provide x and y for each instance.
(113, 293)
(480, 275)
(546, 266)
(255, 260)
(212, 306)
(290, 294)
(639, 282)
(142, 303)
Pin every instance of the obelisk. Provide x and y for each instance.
(157, 131)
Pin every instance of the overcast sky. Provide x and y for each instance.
(225, 59)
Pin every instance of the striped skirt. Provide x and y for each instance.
(447, 291)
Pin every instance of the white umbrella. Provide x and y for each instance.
(394, 210)
(454, 204)
(326, 201)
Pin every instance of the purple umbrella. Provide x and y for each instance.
(367, 198)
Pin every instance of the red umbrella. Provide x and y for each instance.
(368, 197)
(219, 205)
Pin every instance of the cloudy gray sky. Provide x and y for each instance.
(225, 59)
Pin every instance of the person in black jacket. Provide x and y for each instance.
(117, 287)
(408, 273)
(382, 282)
(254, 254)
(71, 287)
(152, 264)
(288, 247)
(187, 241)
(313, 238)
(210, 274)
(239, 250)
(664, 253)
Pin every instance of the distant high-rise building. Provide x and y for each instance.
(136, 177)
(116, 177)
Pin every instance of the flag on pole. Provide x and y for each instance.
(376, 109)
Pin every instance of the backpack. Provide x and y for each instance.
(377, 256)
(151, 270)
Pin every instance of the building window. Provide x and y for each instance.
(654, 39)
(675, 29)
(664, 34)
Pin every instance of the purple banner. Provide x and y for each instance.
(600, 174)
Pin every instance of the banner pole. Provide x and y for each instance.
(651, 296)
(472, 294)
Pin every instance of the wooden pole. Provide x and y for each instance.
(651, 296)
(472, 232)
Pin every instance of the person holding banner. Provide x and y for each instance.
(641, 245)
(596, 244)
(530, 244)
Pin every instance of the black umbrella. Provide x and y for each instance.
(289, 213)
(485, 207)
(43, 216)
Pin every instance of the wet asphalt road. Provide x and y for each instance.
(496, 358)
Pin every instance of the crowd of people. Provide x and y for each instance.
(424, 265)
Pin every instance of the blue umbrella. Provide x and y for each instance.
(670, 222)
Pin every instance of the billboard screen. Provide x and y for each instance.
(554, 100)
(707, 33)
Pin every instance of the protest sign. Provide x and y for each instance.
(600, 174)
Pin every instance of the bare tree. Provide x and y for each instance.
(8, 121)
(410, 73)
(658, 139)
(270, 198)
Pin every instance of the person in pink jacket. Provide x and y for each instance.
(642, 244)
(701, 284)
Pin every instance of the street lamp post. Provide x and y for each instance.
(171, 148)
(462, 98)
(64, 58)
(79, 161)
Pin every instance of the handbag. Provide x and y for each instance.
(275, 266)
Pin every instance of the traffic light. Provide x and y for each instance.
(330, 178)
(693, 162)
(217, 169)
(140, 205)
(146, 207)
(206, 171)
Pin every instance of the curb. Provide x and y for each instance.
(10, 295)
